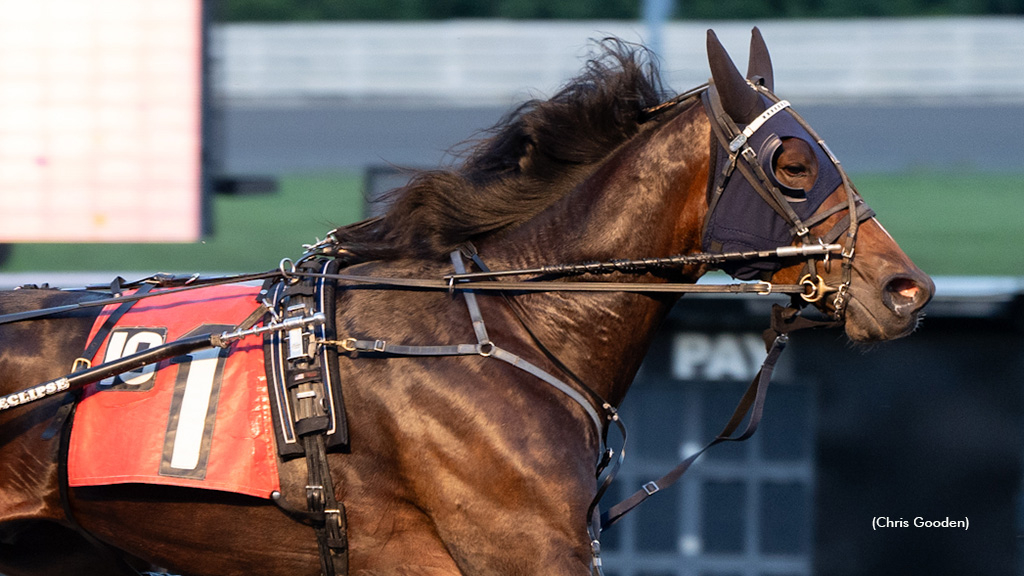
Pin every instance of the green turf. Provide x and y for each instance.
(250, 233)
(950, 224)
(953, 224)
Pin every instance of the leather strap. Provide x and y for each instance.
(61, 423)
(65, 409)
(484, 347)
(752, 402)
(332, 532)
(43, 312)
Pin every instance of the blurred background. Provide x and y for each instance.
(143, 136)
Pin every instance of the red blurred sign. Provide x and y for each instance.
(100, 120)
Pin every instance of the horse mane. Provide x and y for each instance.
(534, 156)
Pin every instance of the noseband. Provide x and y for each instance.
(734, 144)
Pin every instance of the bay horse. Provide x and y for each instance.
(464, 465)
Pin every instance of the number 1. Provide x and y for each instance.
(194, 409)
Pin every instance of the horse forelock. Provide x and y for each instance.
(534, 156)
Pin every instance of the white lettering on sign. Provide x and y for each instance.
(726, 356)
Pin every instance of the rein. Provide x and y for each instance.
(476, 280)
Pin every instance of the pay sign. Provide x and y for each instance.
(725, 356)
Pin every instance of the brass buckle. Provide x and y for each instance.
(818, 288)
(80, 364)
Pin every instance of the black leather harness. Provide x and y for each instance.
(306, 399)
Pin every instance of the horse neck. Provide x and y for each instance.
(646, 200)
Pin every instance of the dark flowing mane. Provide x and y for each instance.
(538, 153)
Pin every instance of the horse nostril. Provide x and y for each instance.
(905, 295)
(905, 287)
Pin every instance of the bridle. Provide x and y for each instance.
(742, 157)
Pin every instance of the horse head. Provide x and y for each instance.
(870, 284)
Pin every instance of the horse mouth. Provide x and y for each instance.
(866, 325)
(893, 312)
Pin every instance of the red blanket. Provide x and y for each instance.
(202, 420)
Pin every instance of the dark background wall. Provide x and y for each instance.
(927, 426)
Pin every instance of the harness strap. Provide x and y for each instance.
(594, 526)
(302, 378)
(783, 321)
(747, 132)
(474, 308)
(332, 533)
(85, 362)
(307, 403)
(864, 212)
(752, 402)
(595, 286)
(483, 347)
(61, 423)
(157, 281)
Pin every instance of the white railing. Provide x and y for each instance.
(497, 62)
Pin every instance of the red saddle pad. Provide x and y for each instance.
(200, 420)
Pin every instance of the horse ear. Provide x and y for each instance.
(760, 63)
(741, 102)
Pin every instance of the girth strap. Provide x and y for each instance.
(61, 423)
(332, 532)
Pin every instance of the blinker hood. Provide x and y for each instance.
(741, 220)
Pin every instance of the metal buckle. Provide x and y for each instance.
(314, 493)
(818, 288)
(651, 488)
(839, 304)
(81, 364)
(335, 514)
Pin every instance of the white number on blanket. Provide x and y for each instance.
(194, 409)
(125, 342)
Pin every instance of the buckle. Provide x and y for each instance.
(818, 288)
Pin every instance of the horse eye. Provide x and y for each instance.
(795, 170)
